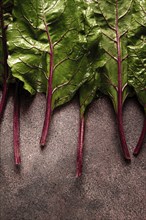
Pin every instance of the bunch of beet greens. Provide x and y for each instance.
(65, 47)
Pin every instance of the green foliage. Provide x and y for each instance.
(5, 19)
(88, 91)
(29, 47)
(101, 16)
(137, 70)
(83, 34)
(86, 45)
(137, 53)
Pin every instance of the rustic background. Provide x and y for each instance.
(45, 188)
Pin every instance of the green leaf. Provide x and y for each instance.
(137, 51)
(137, 69)
(29, 46)
(88, 91)
(112, 18)
(5, 18)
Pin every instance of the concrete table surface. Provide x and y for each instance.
(45, 188)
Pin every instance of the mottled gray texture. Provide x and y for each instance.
(45, 188)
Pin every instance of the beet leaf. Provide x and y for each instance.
(88, 90)
(4, 69)
(46, 50)
(5, 19)
(87, 93)
(137, 62)
(64, 46)
(137, 79)
(113, 19)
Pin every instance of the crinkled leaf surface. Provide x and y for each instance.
(137, 70)
(29, 46)
(88, 90)
(7, 6)
(137, 53)
(112, 17)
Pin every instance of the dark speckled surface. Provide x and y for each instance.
(45, 188)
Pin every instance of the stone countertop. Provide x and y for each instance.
(45, 187)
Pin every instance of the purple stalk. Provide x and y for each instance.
(141, 139)
(16, 126)
(5, 65)
(4, 98)
(49, 92)
(120, 102)
(80, 147)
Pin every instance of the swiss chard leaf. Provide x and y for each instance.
(46, 42)
(137, 62)
(5, 16)
(30, 47)
(6, 7)
(113, 19)
(88, 90)
(137, 79)
(137, 69)
(87, 93)
(137, 51)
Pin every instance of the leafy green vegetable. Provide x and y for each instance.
(86, 93)
(66, 46)
(5, 76)
(30, 47)
(47, 54)
(88, 90)
(113, 19)
(5, 10)
(137, 62)
(137, 79)
(5, 17)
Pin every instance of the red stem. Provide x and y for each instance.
(4, 98)
(49, 92)
(120, 99)
(80, 147)
(16, 126)
(141, 139)
(5, 65)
